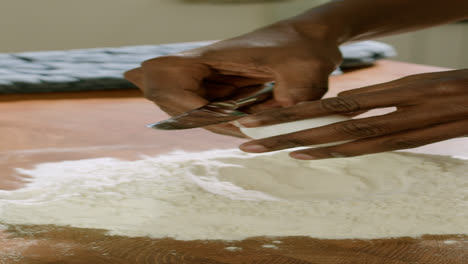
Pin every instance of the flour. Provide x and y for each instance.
(231, 195)
(233, 248)
(270, 246)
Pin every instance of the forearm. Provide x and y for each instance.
(350, 20)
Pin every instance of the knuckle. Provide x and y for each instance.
(155, 95)
(311, 64)
(285, 116)
(152, 96)
(291, 143)
(340, 104)
(362, 129)
(330, 152)
(457, 109)
(322, 67)
(327, 66)
(450, 87)
(301, 63)
(320, 88)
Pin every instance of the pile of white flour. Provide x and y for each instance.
(227, 194)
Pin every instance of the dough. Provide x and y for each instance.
(290, 127)
(228, 194)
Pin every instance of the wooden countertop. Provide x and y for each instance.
(39, 128)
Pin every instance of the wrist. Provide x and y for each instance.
(327, 22)
(322, 31)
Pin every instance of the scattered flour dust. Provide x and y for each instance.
(270, 246)
(233, 248)
(231, 195)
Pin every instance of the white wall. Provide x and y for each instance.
(64, 24)
(444, 46)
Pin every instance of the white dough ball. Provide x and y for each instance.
(290, 127)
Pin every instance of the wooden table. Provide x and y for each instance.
(67, 126)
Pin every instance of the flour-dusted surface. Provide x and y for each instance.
(227, 194)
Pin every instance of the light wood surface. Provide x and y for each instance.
(68, 126)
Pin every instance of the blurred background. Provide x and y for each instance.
(38, 25)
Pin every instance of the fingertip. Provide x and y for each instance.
(131, 74)
(283, 98)
(295, 97)
(302, 156)
(134, 76)
(287, 98)
(236, 123)
(287, 102)
(226, 129)
(249, 121)
(253, 148)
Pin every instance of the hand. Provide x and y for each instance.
(300, 66)
(431, 107)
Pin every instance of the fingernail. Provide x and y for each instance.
(253, 148)
(237, 124)
(302, 156)
(337, 155)
(247, 122)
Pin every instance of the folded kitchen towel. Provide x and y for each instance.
(103, 68)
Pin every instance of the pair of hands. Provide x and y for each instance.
(429, 107)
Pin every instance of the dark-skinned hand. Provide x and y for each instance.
(300, 66)
(430, 107)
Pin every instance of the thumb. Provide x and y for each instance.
(299, 83)
(135, 76)
(175, 91)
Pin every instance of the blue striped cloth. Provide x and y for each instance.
(103, 68)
